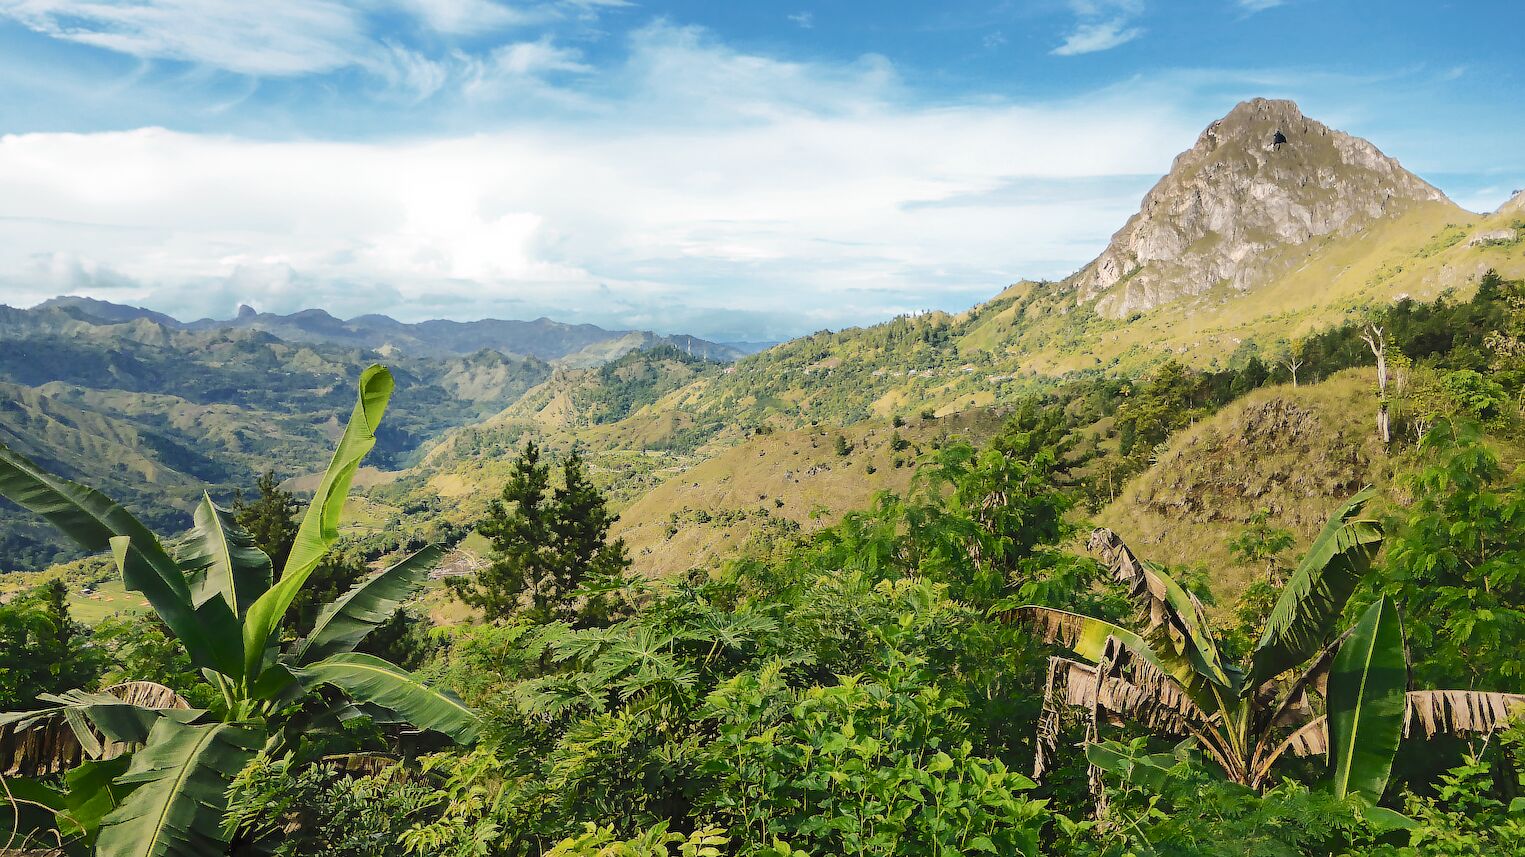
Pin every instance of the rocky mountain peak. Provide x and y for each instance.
(1515, 205)
(1241, 205)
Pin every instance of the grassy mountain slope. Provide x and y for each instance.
(1020, 342)
(1428, 250)
(777, 483)
(152, 412)
(1293, 452)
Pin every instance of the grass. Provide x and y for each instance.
(1419, 254)
(707, 512)
(1296, 453)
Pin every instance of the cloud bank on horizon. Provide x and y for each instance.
(737, 173)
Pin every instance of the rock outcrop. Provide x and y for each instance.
(1515, 205)
(1242, 205)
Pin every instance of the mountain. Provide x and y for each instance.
(151, 410)
(1271, 228)
(1242, 205)
(543, 339)
(1248, 243)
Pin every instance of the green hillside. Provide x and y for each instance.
(154, 412)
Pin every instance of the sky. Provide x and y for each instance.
(733, 170)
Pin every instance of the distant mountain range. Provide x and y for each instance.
(543, 339)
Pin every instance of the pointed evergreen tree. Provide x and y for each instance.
(587, 560)
(545, 548)
(270, 518)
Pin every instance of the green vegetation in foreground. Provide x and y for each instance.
(144, 772)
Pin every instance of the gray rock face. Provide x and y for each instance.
(1493, 236)
(1238, 207)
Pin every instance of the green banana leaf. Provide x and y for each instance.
(320, 526)
(180, 782)
(209, 632)
(116, 719)
(97, 523)
(1176, 619)
(222, 559)
(1303, 619)
(1087, 637)
(83, 514)
(370, 679)
(1368, 683)
(93, 794)
(371, 602)
(1198, 644)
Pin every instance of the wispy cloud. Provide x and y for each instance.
(1102, 36)
(1100, 26)
(274, 37)
(283, 38)
(1253, 6)
(803, 20)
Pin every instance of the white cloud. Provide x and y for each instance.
(1100, 26)
(538, 57)
(804, 20)
(273, 37)
(462, 17)
(1101, 36)
(725, 183)
(1253, 6)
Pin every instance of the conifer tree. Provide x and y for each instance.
(270, 518)
(546, 546)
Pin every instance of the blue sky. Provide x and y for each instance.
(737, 170)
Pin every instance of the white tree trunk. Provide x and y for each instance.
(1378, 345)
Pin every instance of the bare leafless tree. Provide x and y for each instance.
(1293, 363)
(1377, 342)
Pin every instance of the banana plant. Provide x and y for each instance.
(147, 774)
(1306, 688)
